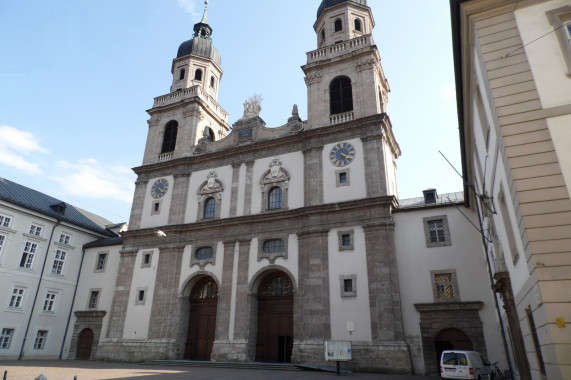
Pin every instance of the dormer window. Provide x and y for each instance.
(358, 25)
(338, 25)
(430, 196)
(198, 74)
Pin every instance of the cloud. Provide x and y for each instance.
(189, 7)
(14, 143)
(88, 178)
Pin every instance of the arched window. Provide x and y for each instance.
(276, 285)
(341, 95)
(275, 198)
(182, 74)
(169, 137)
(322, 34)
(207, 290)
(211, 134)
(212, 82)
(273, 246)
(198, 74)
(204, 253)
(357, 24)
(338, 25)
(209, 208)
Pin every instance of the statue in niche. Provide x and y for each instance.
(252, 106)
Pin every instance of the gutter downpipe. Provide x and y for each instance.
(38, 289)
(72, 303)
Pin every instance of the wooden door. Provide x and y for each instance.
(275, 319)
(202, 321)
(84, 345)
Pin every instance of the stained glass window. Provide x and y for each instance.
(207, 290)
(278, 285)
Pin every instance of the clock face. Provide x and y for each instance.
(342, 154)
(160, 188)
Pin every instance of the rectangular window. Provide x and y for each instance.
(17, 298)
(141, 295)
(28, 255)
(5, 221)
(93, 298)
(342, 177)
(6, 338)
(2, 240)
(147, 259)
(346, 240)
(436, 230)
(64, 239)
(444, 286)
(50, 301)
(40, 340)
(101, 260)
(348, 285)
(35, 230)
(568, 28)
(57, 267)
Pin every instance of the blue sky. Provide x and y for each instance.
(76, 77)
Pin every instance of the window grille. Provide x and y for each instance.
(444, 286)
(206, 290)
(278, 285)
(436, 230)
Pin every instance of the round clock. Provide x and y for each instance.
(342, 154)
(160, 188)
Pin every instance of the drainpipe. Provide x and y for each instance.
(485, 244)
(38, 289)
(72, 303)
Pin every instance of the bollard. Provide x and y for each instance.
(41, 377)
(75, 378)
(5, 375)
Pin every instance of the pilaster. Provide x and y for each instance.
(121, 294)
(235, 183)
(313, 175)
(138, 201)
(179, 198)
(375, 165)
(249, 184)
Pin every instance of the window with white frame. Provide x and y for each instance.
(100, 263)
(436, 231)
(5, 221)
(2, 241)
(17, 298)
(6, 338)
(50, 301)
(65, 239)
(28, 255)
(35, 230)
(40, 342)
(93, 299)
(59, 260)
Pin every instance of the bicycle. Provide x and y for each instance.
(496, 373)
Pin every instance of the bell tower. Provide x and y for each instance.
(190, 111)
(344, 77)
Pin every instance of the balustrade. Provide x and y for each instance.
(341, 118)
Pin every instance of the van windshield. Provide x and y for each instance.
(453, 358)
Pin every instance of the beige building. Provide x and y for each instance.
(513, 67)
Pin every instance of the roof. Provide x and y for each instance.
(199, 46)
(447, 199)
(117, 240)
(31, 199)
(330, 3)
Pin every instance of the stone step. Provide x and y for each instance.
(207, 364)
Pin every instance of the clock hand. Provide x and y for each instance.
(346, 155)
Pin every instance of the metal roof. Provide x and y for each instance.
(330, 3)
(447, 199)
(31, 199)
(199, 46)
(104, 242)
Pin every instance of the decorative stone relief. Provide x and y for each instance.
(313, 78)
(212, 185)
(154, 121)
(275, 174)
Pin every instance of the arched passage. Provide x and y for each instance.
(202, 320)
(84, 344)
(451, 339)
(275, 319)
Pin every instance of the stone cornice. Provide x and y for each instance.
(448, 306)
(90, 314)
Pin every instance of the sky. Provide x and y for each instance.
(77, 76)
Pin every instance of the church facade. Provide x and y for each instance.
(263, 243)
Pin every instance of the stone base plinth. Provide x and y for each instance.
(230, 351)
(385, 357)
(137, 350)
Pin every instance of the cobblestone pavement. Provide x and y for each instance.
(91, 370)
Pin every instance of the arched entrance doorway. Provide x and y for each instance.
(84, 344)
(202, 321)
(275, 319)
(451, 339)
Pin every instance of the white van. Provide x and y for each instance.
(457, 364)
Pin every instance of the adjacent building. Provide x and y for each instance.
(513, 74)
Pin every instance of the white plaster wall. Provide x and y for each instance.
(544, 55)
(560, 130)
(291, 263)
(187, 272)
(465, 256)
(90, 279)
(138, 316)
(357, 188)
(224, 175)
(161, 219)
(344, 309)
(293, 163)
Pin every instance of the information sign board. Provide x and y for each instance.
(337, 350)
